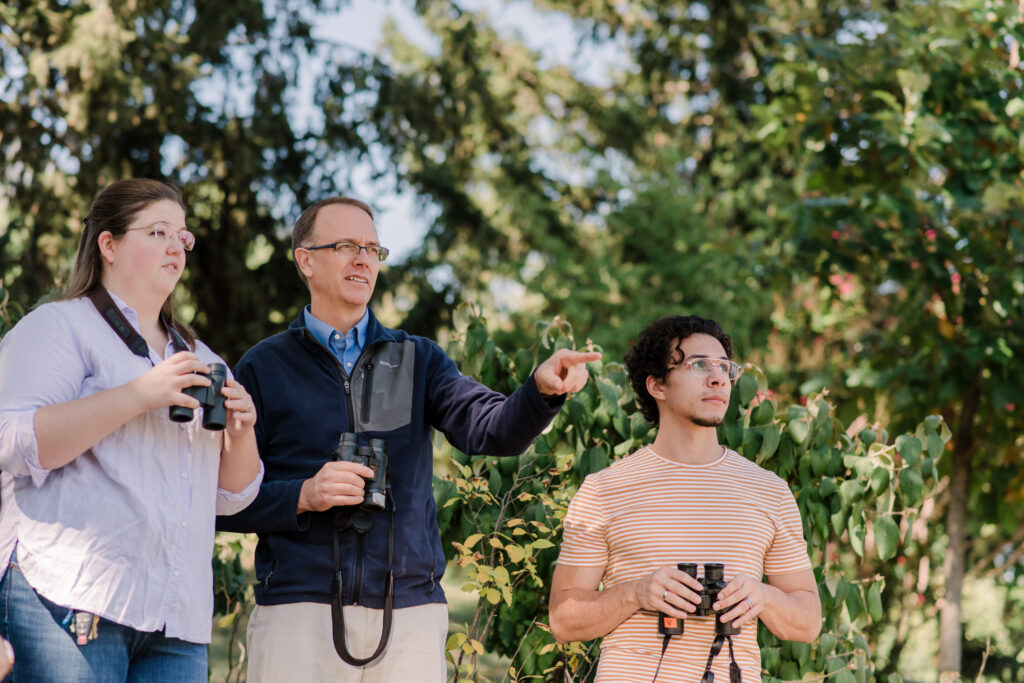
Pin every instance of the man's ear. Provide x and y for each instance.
(655, 388)
(301, 257)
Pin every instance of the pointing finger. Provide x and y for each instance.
(570, 358)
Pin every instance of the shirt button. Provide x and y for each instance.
(184, 524)
(184, 475)
(177, 573)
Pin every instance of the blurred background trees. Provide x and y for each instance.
(840, 184)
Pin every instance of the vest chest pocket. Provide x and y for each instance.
(382, 387)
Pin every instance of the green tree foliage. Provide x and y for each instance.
(911, 214)
(838, 183)
(195, 93)
(860, 494)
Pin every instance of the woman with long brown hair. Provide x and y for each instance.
(108, 506)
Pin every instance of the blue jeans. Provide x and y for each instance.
(45, 650)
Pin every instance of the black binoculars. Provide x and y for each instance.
(375, 456)
(215, 414)
(711, 583)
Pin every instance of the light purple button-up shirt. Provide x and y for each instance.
(126, 529)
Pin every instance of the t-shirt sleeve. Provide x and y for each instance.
(584, 543)
(788, 551)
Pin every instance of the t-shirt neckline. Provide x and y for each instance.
(713, 463)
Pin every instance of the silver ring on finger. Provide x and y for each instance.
(663, 594)
(750, 605)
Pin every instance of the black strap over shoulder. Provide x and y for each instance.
(109, 311)
(100, 298)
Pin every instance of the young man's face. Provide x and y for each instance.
(683, 397)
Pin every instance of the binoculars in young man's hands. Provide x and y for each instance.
(211, 401)
(711, 583)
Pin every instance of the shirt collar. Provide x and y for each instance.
(322, 331)
(125, 309)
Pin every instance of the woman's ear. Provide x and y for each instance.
(105, 241)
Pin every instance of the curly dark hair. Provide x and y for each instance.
(659, 349)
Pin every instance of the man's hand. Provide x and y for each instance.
(668, 590)
(746, 597)
(564, 372)
(337, 483)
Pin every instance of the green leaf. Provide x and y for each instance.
(935, 445)
(911, 487)
(455, 641)
(819, 461)
(763, 413)
(799, 431)
(845, 676)
(849, 491)
(875, 603)
(827, 487)
(910, 448)
(746, 387)
(887, 537)
(880, 478)
(854, 604)
(857, 535)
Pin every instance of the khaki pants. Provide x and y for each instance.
(295, 643)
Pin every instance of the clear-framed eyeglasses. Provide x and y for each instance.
(350, 249)
(165, 232)
(702, 367)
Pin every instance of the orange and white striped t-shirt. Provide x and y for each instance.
(646, 511)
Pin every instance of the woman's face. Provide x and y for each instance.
(149, 255)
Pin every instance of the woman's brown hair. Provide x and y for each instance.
(113, 209)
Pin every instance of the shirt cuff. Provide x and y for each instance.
(228, 502)
(549, 404)
(19, 449)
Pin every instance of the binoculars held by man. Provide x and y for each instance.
(711, 583)
(373, 455)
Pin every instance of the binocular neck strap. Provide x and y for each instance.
(735, 676)
(338, 611)
(109, 311)
(104, 303)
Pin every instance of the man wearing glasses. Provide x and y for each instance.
(686, 498)
(349, 558)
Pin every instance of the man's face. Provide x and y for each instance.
(340, 281)
(684, 397)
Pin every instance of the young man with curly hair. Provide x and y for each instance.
(684, 498)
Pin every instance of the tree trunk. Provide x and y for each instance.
(950, 626)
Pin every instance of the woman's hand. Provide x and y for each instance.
(241, 409)
(163, 384)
